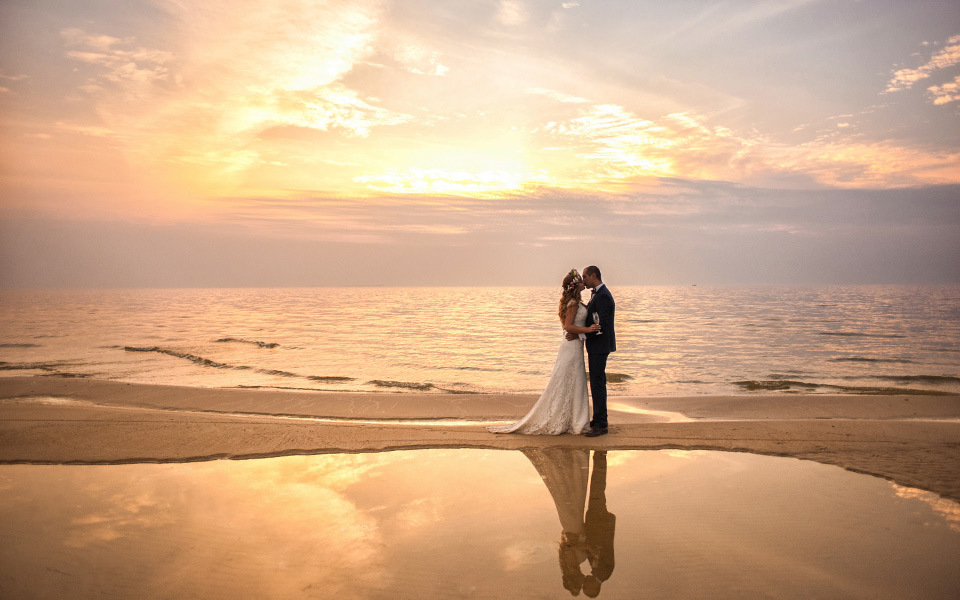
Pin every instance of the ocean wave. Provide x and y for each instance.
(278, 373)
(66, 375)
(205, 362)
(864, 359)
(252, 342)
(36, 366)
(15, 345)
(861, 334)
(789, 375)
(773, 384)
(919, 378)
(407, 385)
(479, 369)
(618, 377)
(275, 387)
(787, 385)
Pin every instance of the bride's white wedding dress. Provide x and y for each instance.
(562, 408)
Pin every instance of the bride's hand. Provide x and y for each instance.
(594, 328)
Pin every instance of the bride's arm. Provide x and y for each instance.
(571, 316)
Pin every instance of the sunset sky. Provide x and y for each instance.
(478, 142)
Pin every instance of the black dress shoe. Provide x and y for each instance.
(596, 432)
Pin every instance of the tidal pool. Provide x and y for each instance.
(546, 523)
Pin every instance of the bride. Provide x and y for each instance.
(562, 408)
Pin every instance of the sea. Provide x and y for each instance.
(680, 340)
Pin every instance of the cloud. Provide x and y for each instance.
(332, 106)
(363, 100)
(442, 181)
(722, 18)
(672, 232)
(947, 56)
(614, 144)
(946, 93)
(417, 59)
(884, 164)
(606, 147)
(3, 77)
(558, 96)
(202, 105)
(120, 61)
(622, 143)
(511, 13)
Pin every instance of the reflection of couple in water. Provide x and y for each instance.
(584, 538)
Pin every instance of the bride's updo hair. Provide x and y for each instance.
(570, 292)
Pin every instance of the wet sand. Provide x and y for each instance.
(911, 440)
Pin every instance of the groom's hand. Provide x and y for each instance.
(572, 336)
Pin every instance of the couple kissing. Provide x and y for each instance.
(563, 406)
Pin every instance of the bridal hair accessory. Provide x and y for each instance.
(573, 282)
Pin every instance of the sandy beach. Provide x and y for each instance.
(911, 440)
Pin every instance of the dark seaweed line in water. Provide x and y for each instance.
(783, 385)
(420, 387)
(252, 342)
(50, 369)
(206, 362)
(857, 334)
(20, 346)
(403, 384)
(919, 378)
(378, 383)
(864, 359)
(37, 366)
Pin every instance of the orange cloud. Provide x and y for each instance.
(202, 105)
(297, 99)
(942, 59)
(615, 144)
(946, 93)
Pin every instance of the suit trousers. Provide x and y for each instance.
(598, 388)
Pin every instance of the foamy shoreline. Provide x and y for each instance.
(912, 440)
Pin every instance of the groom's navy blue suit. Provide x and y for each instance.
(599, 348)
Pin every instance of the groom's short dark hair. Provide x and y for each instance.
(592, 270)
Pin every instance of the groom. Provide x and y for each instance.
(599, 347)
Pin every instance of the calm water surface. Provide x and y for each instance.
(672, 340)
(417, 524)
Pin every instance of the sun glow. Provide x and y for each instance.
(207, 106)
(443, 182)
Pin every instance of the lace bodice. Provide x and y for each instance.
(581, 319)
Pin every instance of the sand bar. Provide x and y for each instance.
(912, 440)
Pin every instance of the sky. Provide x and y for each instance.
(175, 143)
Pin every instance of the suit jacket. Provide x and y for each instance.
(602, 303)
